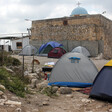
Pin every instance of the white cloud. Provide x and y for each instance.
(14, 12)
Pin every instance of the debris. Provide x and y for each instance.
(69, 96)
(86, 100)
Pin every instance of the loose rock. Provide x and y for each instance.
(14, 98)
(2, 101)
(110, 110)
(69, 96)
(54, 89)
(35, 110)
(2, 87)
(45, 103)
(65, 90)
(18, 110)
(86, 100)
(1, 93)
(33, 83)
(4, 97)
(9, 102)
(42, 84)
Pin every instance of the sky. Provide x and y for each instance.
(16, 15)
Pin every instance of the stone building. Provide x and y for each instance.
(94, 32)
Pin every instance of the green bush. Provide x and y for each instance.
(7, 60)
(49, 91)
(12, 82)
(12, 61)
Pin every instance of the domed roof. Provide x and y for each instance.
(78, 11)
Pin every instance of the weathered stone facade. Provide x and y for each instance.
(91, 31)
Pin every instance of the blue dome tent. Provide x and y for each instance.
(45, 48)
(41, 47)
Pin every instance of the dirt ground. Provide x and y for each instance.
(76, 102)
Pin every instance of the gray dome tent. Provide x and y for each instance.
(73, 70)
(28, 50)
(82, 50)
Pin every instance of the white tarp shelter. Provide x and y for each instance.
(82, 50)
(28, 50)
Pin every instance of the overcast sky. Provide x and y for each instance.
(14, 12)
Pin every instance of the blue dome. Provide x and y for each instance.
(78, 11)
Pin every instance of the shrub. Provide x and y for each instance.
(12, 82)
(12, 61)
(49, 91)
(8, 60)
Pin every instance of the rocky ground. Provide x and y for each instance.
(69, 101)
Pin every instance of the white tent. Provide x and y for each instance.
(73, 69)
(82, 50)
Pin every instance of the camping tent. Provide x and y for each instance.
(46, 48)
(73, 69)
(102, 88)
(82, 50)
(28, 50)
(56, 52)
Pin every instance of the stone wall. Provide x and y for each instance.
(77, 28)
(90, 31)
(106, 25)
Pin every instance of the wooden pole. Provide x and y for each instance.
(33, 61)
(23, 67)
(23, 57)
(33, 64)
(2, 55)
